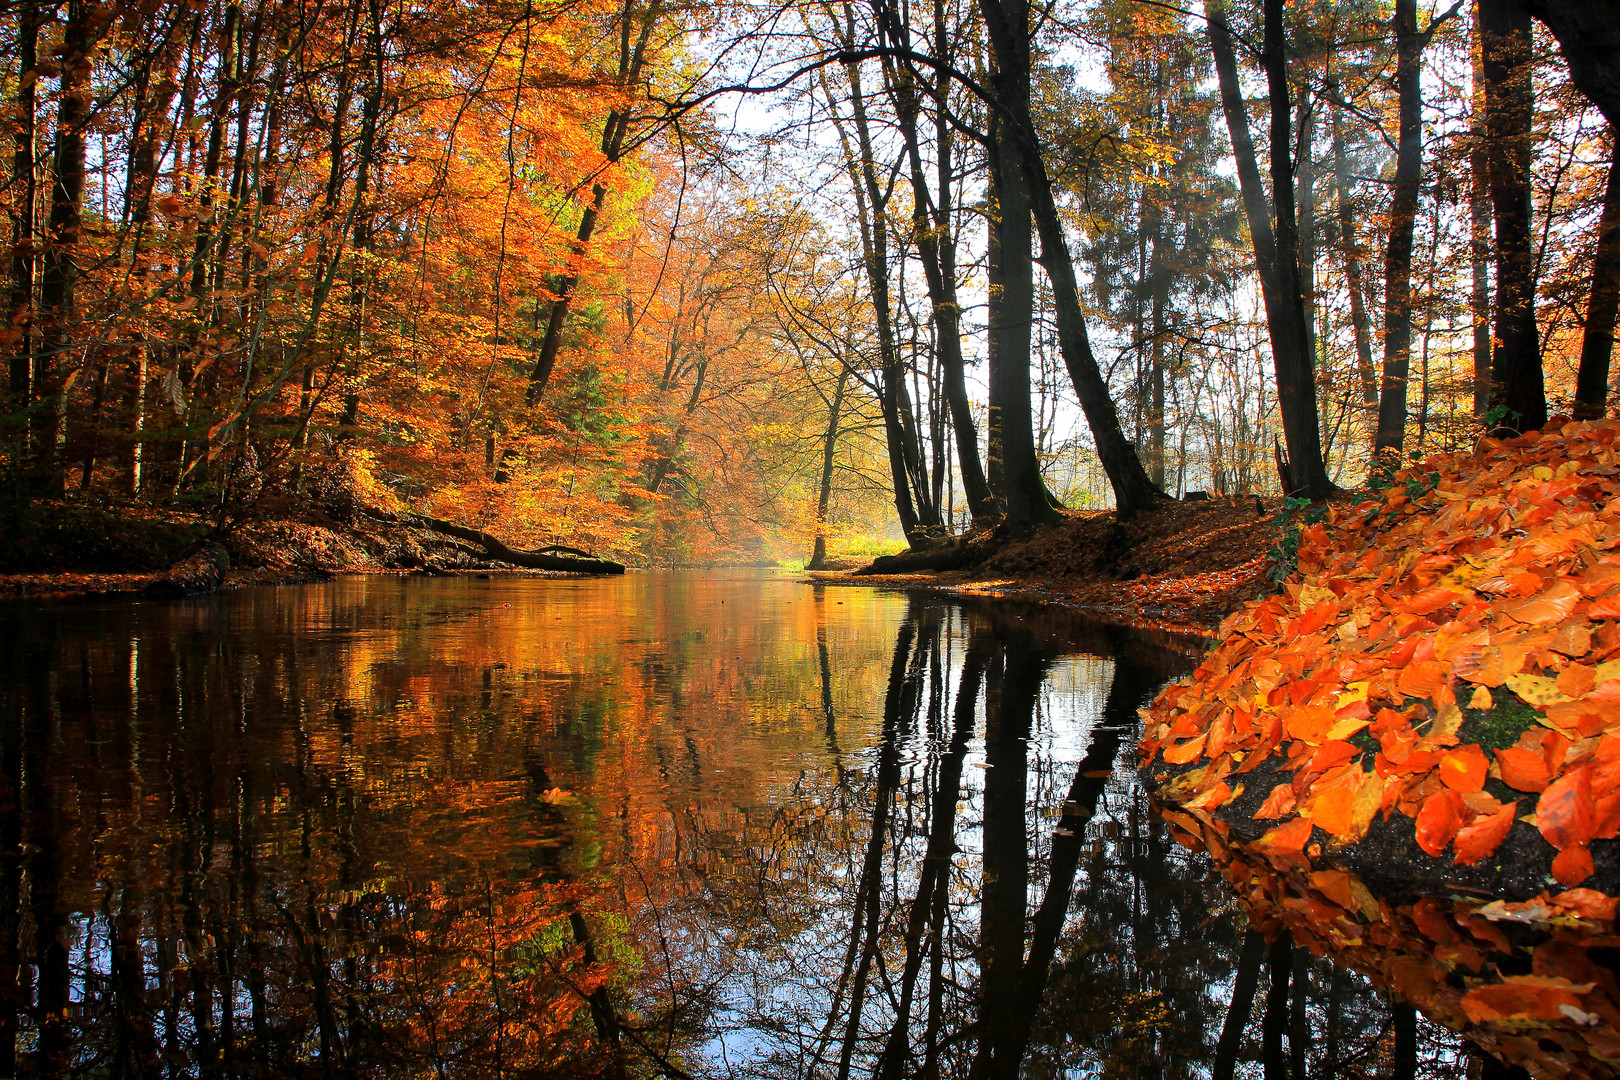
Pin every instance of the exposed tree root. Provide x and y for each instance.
(555, 557)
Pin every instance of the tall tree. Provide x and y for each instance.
(1007, 28)
(1516, 377)
(1597, 343)
(1391, 434)
(1276, 250)
(934, 232)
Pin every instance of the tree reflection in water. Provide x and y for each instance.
(669, 826)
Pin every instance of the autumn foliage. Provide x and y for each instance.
(1447, 654)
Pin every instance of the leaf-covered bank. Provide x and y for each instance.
(1441, 672)
(1181, 566)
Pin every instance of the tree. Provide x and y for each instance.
(1516, 377)
(1276, 249)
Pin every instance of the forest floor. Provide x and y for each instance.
(1183, 567)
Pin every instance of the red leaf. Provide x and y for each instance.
(1316, 618)
(1522, 770)
(1480, 839)
(1572, 866)
(1565, 813)
(1437, 822)
(1587, 903)
(1278, 804)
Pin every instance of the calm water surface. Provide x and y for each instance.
(677, 824)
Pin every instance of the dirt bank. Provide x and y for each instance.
(70, 550)
(1183, 567)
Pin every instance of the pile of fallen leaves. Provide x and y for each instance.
(1487, 582)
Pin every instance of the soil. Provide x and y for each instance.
(1181, 567)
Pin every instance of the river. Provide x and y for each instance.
(672, 824)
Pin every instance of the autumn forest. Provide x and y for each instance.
(717, 283)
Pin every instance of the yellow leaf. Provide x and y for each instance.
(1346, 728)
(1538, 690)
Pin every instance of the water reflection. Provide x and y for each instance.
(672, 825)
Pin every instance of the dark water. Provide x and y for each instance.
(672, 824)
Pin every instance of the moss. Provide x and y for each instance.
(1500, 725)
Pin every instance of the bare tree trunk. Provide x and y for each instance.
(829, 446)
(936, 246)
(1134, 490)
(893, 400)
(1398, 256)
(1597, 343)
(1350, 247)
(1479, 235)
(1007, 28)
(1516, 378)
(1276, 250)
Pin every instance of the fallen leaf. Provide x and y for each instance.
(1437, 822)
(1480, 838)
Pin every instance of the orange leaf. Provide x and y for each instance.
(1182, 753)
(1430, 600)
(1572, 866)
(1330, 809)
(1211, 798)
(1316, 618)
(1522, 769)
(1464, 769)
(1278, 804)
(1553, 605)
(1286, 839)
(1420, 678)
(1481, 838)
(1437, 822)
(1565, 813)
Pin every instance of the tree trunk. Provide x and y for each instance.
(1007, 27)
(1391, 436)
(995, 302)
(1276, 251)
(1516, 379)
(1479, 235)
(614, 132)
(936, 247)
(1588, 33)
(910, 500)
(61, 269)
(829, 446)
(21, 373)
(1134, 490)
(1592, 380)
(552, 558)
(1350, 247)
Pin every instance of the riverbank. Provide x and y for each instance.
(1183, 567)
(79, 551)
